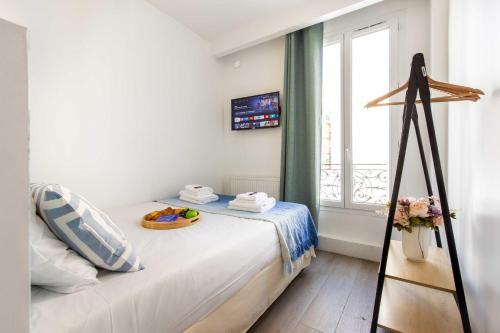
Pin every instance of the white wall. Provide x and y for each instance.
(255, 152)
(14, 196)
(262, 69)
(474, 156)
(122, 99)
(438, 67)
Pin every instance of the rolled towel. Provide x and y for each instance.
(252, 207)
(211, 198)
(198, 189)
(252, 196)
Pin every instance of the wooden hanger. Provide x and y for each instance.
(454, 92)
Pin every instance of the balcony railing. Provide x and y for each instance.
(370, 183)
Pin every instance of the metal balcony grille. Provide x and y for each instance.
(370, 183)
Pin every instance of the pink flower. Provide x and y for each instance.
(404, 201)
(400, 217)
(437, 202)
(437, 221)
(419, 209)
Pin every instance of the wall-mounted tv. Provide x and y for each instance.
(259, 111)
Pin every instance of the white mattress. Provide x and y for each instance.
(189, 273)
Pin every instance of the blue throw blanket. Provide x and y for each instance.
(294, 224)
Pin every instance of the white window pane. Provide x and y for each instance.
(331, 177)
(370, 127)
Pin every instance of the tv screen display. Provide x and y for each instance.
(259, 111)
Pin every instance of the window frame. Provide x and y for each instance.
(329, 39)
(345, 37)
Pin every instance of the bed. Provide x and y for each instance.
(219, 275)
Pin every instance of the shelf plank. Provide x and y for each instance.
(412, 308)
(435, 272)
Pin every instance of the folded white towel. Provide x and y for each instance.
(252, 196)
(198, 189)
(196, 196)
(211, 198)
(252, 207)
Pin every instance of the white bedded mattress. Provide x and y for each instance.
(189, 273)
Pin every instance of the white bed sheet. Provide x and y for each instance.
(189, 273)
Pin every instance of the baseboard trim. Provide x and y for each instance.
(363, 250)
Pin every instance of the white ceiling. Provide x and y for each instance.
(230, 25)
(211, 18)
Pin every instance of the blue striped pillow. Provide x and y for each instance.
(84, 228)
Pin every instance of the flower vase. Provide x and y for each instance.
(416, 243)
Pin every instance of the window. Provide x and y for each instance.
(355, 154)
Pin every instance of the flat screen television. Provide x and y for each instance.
(259, 111)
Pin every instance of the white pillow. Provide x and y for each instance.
(53, 265)
(85, 228)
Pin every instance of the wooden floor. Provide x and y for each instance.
(334, 294)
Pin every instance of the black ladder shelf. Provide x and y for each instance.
(420, 297)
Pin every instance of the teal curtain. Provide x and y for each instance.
(301, 118)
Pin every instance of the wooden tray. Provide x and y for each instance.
(181, 222)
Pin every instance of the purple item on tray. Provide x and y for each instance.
(168, 218)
